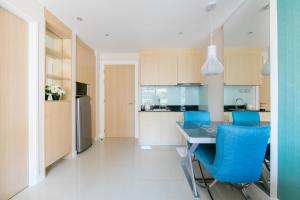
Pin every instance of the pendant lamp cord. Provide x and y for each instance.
(210, 26)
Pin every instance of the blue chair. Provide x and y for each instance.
(202, 117)
(238, 155)
(199, 116)
(244, 117)
(196, 116)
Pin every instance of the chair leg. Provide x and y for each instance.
(201, 180)
(204, 180)
(242, 189)
(244, 194)
(267, 165)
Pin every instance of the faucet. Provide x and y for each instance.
(158, 99)
(236, 102)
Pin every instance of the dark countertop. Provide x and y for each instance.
(178, 108)
(240, 108)
(173, 108)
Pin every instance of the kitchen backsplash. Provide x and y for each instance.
(173, 95)
(246, 93)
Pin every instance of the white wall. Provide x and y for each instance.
(115, 58)
(33, 12)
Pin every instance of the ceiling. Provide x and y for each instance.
(250, 17)
(135, 24)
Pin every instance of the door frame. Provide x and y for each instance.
(101, 120)
(35, 140)
(274, 98)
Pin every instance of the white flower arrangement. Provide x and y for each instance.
(57, 90)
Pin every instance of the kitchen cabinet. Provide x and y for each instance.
(158, 67)
(149, 68)
(189, 66)
(58, 130)
(171, 66)
(86, 73)
(242, 66)
(167, 68)
(159, 128)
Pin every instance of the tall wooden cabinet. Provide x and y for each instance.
(242, 66)
(86, 73)
(171, 66)
(13, 104)
(58, 114)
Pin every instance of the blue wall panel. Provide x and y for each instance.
(289, 99)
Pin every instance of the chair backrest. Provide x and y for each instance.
(199, 116)
(241, 117)
(240, 153)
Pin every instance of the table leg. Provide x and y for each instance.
(188, 169)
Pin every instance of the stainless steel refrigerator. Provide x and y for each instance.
(83, 123)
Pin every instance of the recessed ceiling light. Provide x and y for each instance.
(180, 33)
(79, 19)
(250, 33)
(266, 7)
(106, 35)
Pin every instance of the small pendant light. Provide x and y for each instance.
(265, 70)
(212, 65)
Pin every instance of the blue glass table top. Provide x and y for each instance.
(198, 132)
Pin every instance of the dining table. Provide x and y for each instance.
(195, 133)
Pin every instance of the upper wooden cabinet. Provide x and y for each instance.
(149, 68)
(189, 66)
(167, 68)
(242, 66)
(170, 66)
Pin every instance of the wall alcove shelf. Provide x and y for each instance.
(58, 68)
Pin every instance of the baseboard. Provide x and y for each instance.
(36, 180)
(71, 155)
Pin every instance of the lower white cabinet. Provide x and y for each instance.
(159, 128)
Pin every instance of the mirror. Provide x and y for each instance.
(246, 61)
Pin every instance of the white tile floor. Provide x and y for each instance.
(118, 169)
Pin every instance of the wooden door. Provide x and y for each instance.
(13, 104)
(119, 101)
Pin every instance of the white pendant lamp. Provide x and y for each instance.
(212, 65)
(265, 70)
